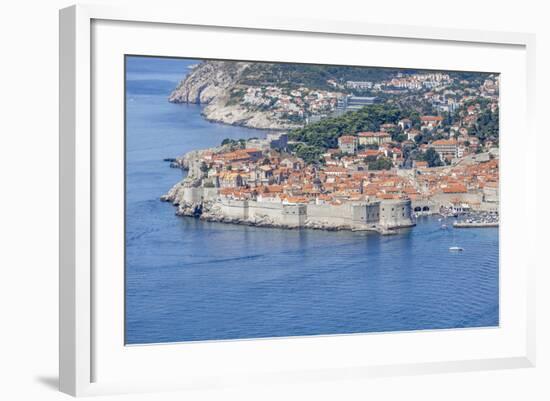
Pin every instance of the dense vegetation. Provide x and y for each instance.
(486, 126)
(311, 76)
(316, 76)
(325, 133)
(431, 157)
(310, 154)
(234, 144)
(383, 163)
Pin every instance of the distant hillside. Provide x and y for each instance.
(221, 85)
(277, 95)
(320, 76)
(215, 84)
(312, 76)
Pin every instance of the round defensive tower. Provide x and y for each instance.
(396, 213)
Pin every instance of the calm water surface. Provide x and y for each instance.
(193, 280)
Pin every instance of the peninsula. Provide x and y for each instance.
(272, 188)
(431, 146)
(237, 93)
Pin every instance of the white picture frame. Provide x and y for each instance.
(80, 340)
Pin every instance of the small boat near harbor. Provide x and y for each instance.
(454, 247)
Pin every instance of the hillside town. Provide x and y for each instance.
(291, 104)
(411, 164)
(415, 82)
(433, 90)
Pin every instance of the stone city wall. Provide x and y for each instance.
(195, 195)
(387, 214)
(336, 215)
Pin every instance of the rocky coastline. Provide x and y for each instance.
(210, 84)
(207, 211)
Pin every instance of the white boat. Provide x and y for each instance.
(455, 248)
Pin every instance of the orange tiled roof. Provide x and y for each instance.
(431, 118)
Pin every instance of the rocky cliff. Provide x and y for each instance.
(210, 84)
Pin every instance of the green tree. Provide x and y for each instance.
(370, 159)
(383, 163)
(325, 133)
(432, 157)
(310, 154)
(401, 138)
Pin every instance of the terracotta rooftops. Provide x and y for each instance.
(431, 118)
(347, 139)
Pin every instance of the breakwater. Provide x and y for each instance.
(462, 224)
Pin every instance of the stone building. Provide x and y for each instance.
(431, 122)
(374, 138)
(347, 144)
(446, 148)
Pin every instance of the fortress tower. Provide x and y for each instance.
(396, 213)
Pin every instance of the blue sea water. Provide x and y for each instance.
(189, 280)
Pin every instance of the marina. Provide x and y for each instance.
(477, 220)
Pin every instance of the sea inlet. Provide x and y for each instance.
(190, 280)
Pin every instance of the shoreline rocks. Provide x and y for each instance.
(210, 84)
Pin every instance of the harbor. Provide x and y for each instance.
(477, 220)
(188, 279)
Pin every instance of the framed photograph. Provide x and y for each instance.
(282, 200)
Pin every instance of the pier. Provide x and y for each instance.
(460, 224)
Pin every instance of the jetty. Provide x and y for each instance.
(463, 224)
